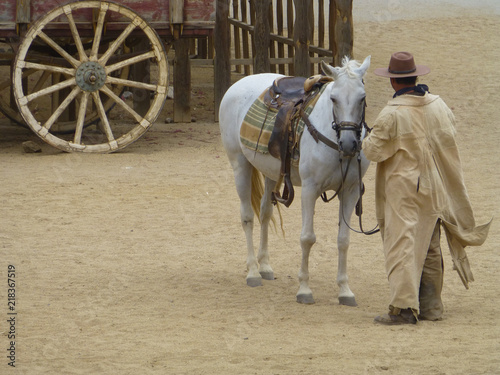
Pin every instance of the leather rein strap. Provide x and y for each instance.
(315, 133)
(318, 136)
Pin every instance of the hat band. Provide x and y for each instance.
(402, 71)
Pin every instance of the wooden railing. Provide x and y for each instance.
(285, 36)
(297, 34)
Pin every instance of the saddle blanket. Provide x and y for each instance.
(258, 124)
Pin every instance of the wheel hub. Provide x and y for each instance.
(90, 76)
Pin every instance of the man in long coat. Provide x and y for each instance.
(419, 189)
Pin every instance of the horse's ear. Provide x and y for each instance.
(364, 67)
(329, 70)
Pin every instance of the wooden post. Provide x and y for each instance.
(311, 27)
(261, 37)
(222, 72)
(279, 22)
(23, 14)
(301, 61)
(245, 36)
(237, 41)
(341, 42)
(176, 17)
(182, 81)
(289, 25)
(272, 47)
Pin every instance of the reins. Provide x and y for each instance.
(318, 136)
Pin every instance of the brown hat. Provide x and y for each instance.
(402, 65)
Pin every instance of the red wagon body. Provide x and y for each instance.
(71, 63)
(198, 15)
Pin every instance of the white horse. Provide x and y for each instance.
(319, 169)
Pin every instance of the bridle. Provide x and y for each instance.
(351, 126)
(338, 127)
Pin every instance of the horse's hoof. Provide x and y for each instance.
(348, 301)
(267, 275)
(306, 299)
(254, 281)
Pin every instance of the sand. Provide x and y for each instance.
(134, 262)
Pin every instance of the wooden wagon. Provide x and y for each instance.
(67, 67)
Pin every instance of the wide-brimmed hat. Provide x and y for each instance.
(402, 65)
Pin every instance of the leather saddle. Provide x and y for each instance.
(289, 95)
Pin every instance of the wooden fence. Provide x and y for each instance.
(285, 36)
(310, 25)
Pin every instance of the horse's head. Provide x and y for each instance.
(348, 99)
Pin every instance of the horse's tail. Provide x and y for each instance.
(256, 197)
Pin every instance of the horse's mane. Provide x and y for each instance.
(350, 67)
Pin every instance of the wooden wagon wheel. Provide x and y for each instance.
(38, 79)
(87, 80)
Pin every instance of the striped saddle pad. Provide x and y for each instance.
(258, 124)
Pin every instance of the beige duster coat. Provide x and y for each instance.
(418, 181)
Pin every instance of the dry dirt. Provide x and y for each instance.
(134, 262)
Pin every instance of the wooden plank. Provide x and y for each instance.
(176, 11)
(312, 29)
(252, 22)
(8, 13)
(272, 46)
(23, 14)
(302, 63)
(277, 61)
(342, 41)
(236, 36)
(321, 23)
(251, 29)
(290, 25)
(261, 37)
(182, 81)
(202, 48)
(197, 14)
(222, 72)
(280, 29)
(245, 35)
(150, 10)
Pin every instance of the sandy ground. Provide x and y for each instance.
(134, 262)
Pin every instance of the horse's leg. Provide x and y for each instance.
(266, 212)
(348, 199)
(243, 180)
(307, 240)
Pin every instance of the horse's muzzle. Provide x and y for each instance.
(349, 148)
(349, 137)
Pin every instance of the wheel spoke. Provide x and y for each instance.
(81, 117)
(98, 32)
(50, 68)
(121, 103)
(102, 114)
(48, 90)
(126, 82)
(58, 49)
(76, 35)
(43, 78)
(76, 90)
(132, 60)
(117, 43)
